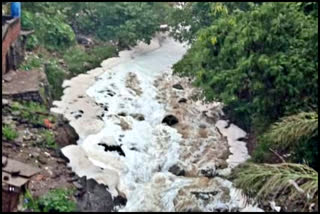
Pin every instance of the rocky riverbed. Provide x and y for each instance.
(148, 137)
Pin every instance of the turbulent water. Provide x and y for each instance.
(125, 145)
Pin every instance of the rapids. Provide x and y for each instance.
(124, 144)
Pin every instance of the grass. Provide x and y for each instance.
(57, 200)
(33, 112)
(49, 139)
(9, 133)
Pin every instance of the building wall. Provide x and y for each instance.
(10, 37)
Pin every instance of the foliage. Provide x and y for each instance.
(262, 63)
(123, 22)
(32, 62)
(79, 60)
(292, 128)
(55, 75)
(9, 133)
(296, 133)
(57, 200)
(268, 181)
(50, 28)
(188, 19)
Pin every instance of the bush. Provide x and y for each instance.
(9, 133)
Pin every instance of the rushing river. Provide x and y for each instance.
(118, 110)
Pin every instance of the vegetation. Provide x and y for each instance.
(261, 61)
(57, 200)
(49, 139)
(268, 181)
(9, 133)
(297, 134)
(259, 68)
(79, 60)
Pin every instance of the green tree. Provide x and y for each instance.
(262, 63)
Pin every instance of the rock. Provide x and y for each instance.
(65, 134)
(16, 113)
(178, 86)
(139, 117)
(4, 161)
(208, 171)
(42, 160)
(176, 170)
(221, 164)
(202, 126)
(77, 185)
(5, 102)
(74, 178)
(7, 78)
(35, 155)
(170, 120)
(62, 156)
(182, 100)
(120, 201)
(96, 198)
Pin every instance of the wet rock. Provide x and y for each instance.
(178, 86)
(209, 172)
(111, 148)
(65, 134)
(177, 170)
(95, 198)
(202, 126)
(120, 201)
(122, 114)
(182, 100)
(62, 156)
(170, 120)
(139, 117)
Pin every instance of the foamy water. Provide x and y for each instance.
(150, 147)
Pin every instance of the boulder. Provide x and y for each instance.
(64, 133)
(178, 86)
(170, 120)
(94, 198)
(177, 170)
(182, 100)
